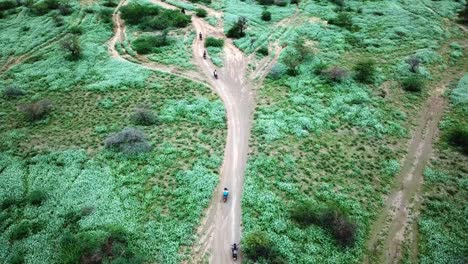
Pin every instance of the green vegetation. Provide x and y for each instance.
(214, 42)
(65, 198)
(442, 229)
(238, 29)
(413, 83)
(148, 43)
(331, 122)
(200, 12)
(151, 17)
(266, 15)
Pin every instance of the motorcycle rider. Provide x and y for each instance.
(234, 250)
(215, 74)
(204, 54)
(225, 193)
(200, 36)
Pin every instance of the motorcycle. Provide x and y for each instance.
(234, 250)
(215, 74)
(204, 55)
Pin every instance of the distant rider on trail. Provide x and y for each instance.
(200, 36)
(225, 194)
(234, 250)
(215, 74)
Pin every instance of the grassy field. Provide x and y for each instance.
(66, 198)
(443, 233)
(322, 141)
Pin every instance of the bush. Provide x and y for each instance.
(342, 20)
(146, 43)
(9, 202)
(214, 42)
(336, 74)
(365, 71)
(266, 2)
(412, 83)
(258, 245)
(12, 92)
(237, 30)
(36, 111)
(263, 51)
(413, 62)
(458, 137)
(200, 12)
(338, 2)
(129, 141)
(266, 15)
(72, 45)
(277, 71)
(42, 8)
(7, 4)
(292, 60)
(329, 217)
(20, 231)
(37, 197)
(134, 13)
(143, 117)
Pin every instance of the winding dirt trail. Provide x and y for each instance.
(222, 225)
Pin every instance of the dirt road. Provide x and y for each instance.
(402, 205)
(222, 225)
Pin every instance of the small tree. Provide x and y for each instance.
(266, 15)
(37, 110)
(200, 12)
(237, 30)
(458, 137)
(413, 62)
(143, 117)
(413, 83)
(336, 74)
(365, 71)
(292, 60)
(129, 141)
(258, 245)
(73, 47)
(343, 20)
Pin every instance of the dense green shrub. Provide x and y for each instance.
(147, 43)
(110, 3)
(151, 17)
(7, 4)
(21, 230)
(201, 1)
(12, 92)
(258, 245)
(266, 15)
(200, 12)
(42, 8)
(458, 137)
(413, 63)
(36, 111)
(365, 71)
(143, 117)
(237, 30)
(129, 141)
(292, 60)
(263, 51)
(9, 202)
(266, 2)
(342, 20)
(73, 47)
(214, 42)
(338, 2)
(329, 217)
(37, 197)
(413, 83)
(134, 13)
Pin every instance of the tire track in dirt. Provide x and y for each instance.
(398, 219)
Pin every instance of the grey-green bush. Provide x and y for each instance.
(36, 111)
(129, 141)
(143, 117)
(12, 92)
(266, 15)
